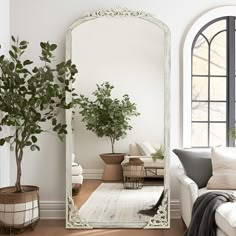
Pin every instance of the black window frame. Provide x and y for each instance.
(230, 77)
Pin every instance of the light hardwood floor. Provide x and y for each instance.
(57, 227)
(89, 186)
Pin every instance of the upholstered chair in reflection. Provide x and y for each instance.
(77, 177)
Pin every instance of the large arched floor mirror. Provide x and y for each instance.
(130, 51)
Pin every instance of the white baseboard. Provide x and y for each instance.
(175, 209)
(51, 210)
(92, 173)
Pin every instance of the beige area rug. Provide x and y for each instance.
(110, 205)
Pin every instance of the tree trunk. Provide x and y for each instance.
(112, 145)
(18, 156)
(18, 178)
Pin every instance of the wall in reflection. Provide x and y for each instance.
(126, 52)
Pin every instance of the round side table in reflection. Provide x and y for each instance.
(112, 169)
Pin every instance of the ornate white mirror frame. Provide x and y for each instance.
(162, 217)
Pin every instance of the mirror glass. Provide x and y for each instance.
(125, 187)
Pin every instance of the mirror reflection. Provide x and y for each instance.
(118, 135)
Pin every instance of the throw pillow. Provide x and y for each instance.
(224, 168)
(133, 150)
(197, 165)
(145, 148)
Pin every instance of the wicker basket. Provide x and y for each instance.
(18, 211)
(133, 176)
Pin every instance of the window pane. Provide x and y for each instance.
(200, 88)
(218, 111)
(218, 88)
(199, 134)
(199, 111)
(200, 57)
(214, 28)
(218, 55)
(217, 134)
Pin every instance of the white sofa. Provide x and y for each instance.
(225, 214)
(152, 168)
(77, 176)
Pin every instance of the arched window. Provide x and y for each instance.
(209, 113)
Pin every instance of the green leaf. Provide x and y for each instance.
(8, 139)
(53, 47)
(35, 70)
(12, 54)
(23, 47)
(34, 147)
(13, 39)
(27, 62)
(11, 66)
(14, 48)
(34, 139)
(38, 131)
(61, 79)
(2, 141)
(28, 143)
(43, 45)
(23, 43)
(1, 58)
(54, 121)
(24, 71)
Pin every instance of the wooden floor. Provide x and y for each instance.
(57, 227)
(89, 186)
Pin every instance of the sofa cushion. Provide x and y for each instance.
(145, 148)
(226, 218)
(224, 168)
(77, 170)
(222, 181)
(133, 150)
(197, 164)
(78, 179)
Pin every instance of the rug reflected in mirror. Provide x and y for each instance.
(110, 205)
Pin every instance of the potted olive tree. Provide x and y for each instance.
(108, 117)
(30, 96)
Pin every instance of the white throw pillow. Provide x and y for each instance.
(133, 150)
(223, 168)
(145, 148)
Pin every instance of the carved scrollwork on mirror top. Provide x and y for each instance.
(162, 217)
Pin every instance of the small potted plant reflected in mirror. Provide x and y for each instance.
(31, 98)
(158, 154)
(108, 117)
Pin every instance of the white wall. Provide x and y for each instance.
(42, 20)
(4, 42)
(4, 25)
